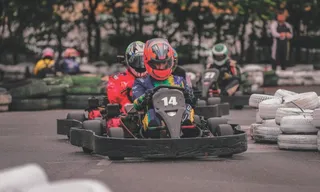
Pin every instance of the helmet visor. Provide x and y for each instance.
(219, 57)
(136, 61)
(161, 64)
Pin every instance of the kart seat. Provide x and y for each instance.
(113, 110)
(130, 109)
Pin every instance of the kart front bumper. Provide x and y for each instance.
(64, 125)
(160, 148)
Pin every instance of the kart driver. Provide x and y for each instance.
(45, 64)
(120, 85)
(69, 65)
(179, 71)
(229, 79)
(158, 59)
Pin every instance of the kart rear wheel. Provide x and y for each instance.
(116, 132)
(93, 125)
(214, 122)
(224, 130)
(214, 100)
(79, 116)
(201, 103)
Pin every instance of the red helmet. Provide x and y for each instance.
(158, 58)
(70, 52)
(47, 52)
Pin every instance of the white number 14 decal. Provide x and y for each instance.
(171, 101)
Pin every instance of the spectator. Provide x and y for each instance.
(282, 33)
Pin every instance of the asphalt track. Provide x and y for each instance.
(31, 137)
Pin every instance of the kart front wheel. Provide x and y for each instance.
(116, 132)
(214, 122)
(86, 150)
(214, 100)
(79, 116)
(224, 130)
(93, 125)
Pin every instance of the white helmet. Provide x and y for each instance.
(220, 54)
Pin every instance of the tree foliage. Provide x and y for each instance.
(103, 28)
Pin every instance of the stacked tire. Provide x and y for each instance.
(288, 115)
(5, 100)
(265, 129)
(56, 91)
(29, 95)
(83, 87)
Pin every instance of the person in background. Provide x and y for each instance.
(69, 65)
(45, 65)
(229, 79)
(282, 33)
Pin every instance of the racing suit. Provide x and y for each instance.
(43, 66)
(69, 66)
(142, 85)
(179, 71)
(280, 47)
(119, 92)
(229, 76)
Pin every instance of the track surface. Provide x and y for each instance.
(31, 137)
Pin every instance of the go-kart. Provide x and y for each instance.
(75, 119)
(211, 137)
(210, 89)
(97, 110)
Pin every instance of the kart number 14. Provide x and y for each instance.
(171, 101)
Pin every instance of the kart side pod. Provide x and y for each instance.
(170, 105)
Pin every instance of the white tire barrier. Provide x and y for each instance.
(268, 108)
(258, 118)
(284, 112)
(22, 177)
(283, 93)
(316, 118)
(297, 124)
(318, 141)
(298, 142)
(79, 185)
(308, 100)
(265, 133)
(255, 99)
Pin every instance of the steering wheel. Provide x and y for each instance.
(168, 87)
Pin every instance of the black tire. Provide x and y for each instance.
(86, 150)
(238, 107)
(116, 132)
(201, 103)
(214, 100)
(224, 130)
(93, 125)
(214, 122)
(35, 89)
(79, 116)
(29, 105)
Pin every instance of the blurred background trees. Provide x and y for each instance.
(100, 29)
